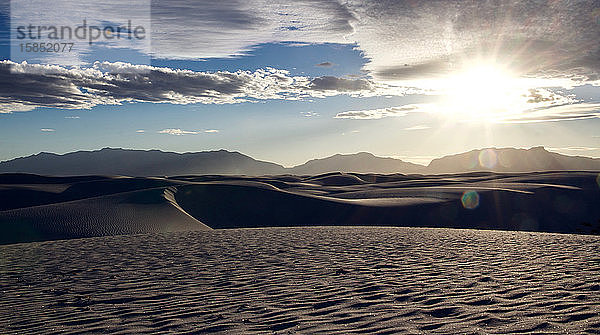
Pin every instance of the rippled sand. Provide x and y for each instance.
(307, 280)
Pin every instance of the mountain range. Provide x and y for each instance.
(111, 161)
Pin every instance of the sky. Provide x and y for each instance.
(291, 81)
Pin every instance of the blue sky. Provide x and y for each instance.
(289, 84)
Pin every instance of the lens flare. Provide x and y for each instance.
(487, 158)
(470, 200)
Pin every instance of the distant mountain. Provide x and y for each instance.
(140, 163)
(362, 162)
(511, 160)
(158, 163)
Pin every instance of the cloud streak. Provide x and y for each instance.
(577, 111)
(418, 127)
(380, 113)
(549, 113)
(177, 132)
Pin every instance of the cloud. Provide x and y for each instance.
(177, 132)
(211, 131)
(325, 64)
(418, 127)
(204, 29)
(400, 38)
(380, 113)
(310, 114)
(545, 111)
(48, 130)
(407, 40)
(329, 83)
(575, 111)
(140, 131)
(27, 86)
(72, 117)
(541, 96)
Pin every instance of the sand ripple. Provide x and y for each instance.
(306, 280)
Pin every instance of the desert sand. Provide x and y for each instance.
(187, 254)
(36, 208)
(323, 280)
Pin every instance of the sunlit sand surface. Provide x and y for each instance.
(307, 280)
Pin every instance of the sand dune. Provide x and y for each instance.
(330, 280)
(551, 202)
(45, 208)
(134, 212)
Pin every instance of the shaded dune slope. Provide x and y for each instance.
(145, 211)
(551, 202)
(43, 208)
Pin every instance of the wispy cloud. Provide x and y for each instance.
(233, 28)
(549, 113)
(177, 132)
(212, 131)
(577, 111)
(48, 130)
(140, 131)
(418, 127)
(373, 114)
(72, 117)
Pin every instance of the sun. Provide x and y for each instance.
(483, 92)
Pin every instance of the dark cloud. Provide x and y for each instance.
(26, 86)
(325, 64)
(329, 83)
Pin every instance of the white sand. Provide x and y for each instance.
(305, 280)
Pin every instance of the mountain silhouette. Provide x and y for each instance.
(110, 161)
(511, 160)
